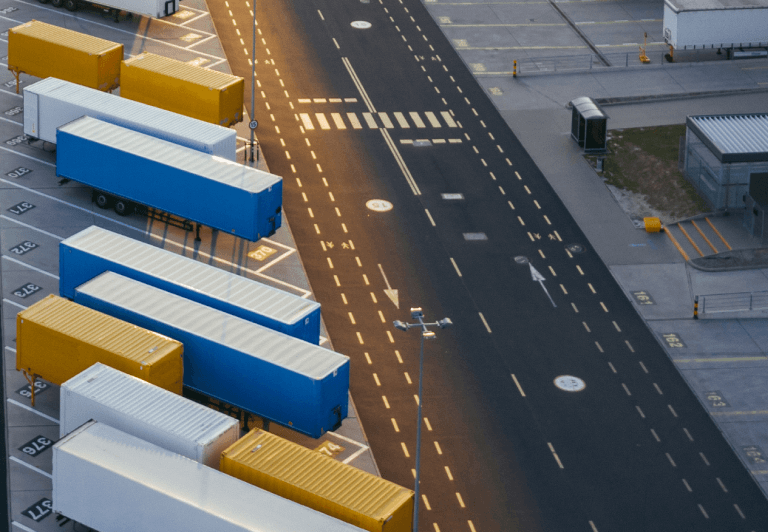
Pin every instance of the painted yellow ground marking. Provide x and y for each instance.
(373, 297)
(557, 458)
(336, 278)
(448, 473)
(417, 120)
(394, 424)
(672, 410)
(416, 398)
(322, 121)
(519, 388)
(456, 267)
(376, 378)
(402, 121)
(405, 449)
(311, 214)
(437, 446)
(640, 411)
(574, 308)
(448, 119)
(407, 377)
(426, 502)
(385, 120)
(430, 218)
(399, 358)
(338, 121)
(625, 388)
(551, 269)
(360, 338)
(352, 318)
(612, 368)
(461, 501)
(370, 121)
(391, 339)
(307, 121)
(604, 307)
(484, 322)
(329, 448)
(426, 422)
(368, 358)
(262, 252)
(564, 290)
(381, 316)
(386, 403)
(521, 221)
(365, 280)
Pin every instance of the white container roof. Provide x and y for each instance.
(167, 153)
(733, 138)
(259, 342)
(130, 111)
(225, 286)
(151, 404)
(714, 5)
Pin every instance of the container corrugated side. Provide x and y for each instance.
(94, 250)
(43, 50)
(51, 103)
(146, 411)
(56, 339)
(267, 373)
(111, 481)
(187, 89)
(319, 482)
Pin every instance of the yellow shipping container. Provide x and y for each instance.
(186, 89)
(56, 339)
(43, 50)
(319, 482)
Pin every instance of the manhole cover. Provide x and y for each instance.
(361, 24)
(521, 260)
(379, 205)
(569, 383)
(575, 248)
(475, 236)
(421, 143)
(452, 196)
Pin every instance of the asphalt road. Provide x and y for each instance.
(503, 447)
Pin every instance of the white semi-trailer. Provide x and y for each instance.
(726, 24)
(150, 8)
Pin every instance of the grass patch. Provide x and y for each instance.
(644, 161)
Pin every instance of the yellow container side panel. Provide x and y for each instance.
(56, 339)
(319, 482)
(43, 50)
(186, 89)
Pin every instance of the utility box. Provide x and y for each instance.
(186, 89)
(146, 411)
(56, 339)
(319, 482)
(589, 125)
(43, 50)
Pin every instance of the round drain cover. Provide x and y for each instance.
(521, 260)
(575, 248)
(569, 383)
(361, 24)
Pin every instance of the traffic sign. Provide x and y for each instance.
(253, 124)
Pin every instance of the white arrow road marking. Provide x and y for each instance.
(391, 293)
(536, 276)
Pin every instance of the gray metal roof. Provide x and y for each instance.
(588, 108)
(249, 338)
(216, 283)
(733, 138)
(216, 168)
(712, 5)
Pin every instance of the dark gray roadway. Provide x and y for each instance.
(633, 451)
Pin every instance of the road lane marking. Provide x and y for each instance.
(520, 388)
(547, 220)
(448, 473)
(592, 525)
(599, 347)
(330, 262)
(391, 339)
(551, 269)
(557, 458)
(306, 121)
(658, 389)
(417, 120)
(580, 270)
(376, 378)
(688, 434)
(625, 388)
(703, 511)
(426, 502)
(617, 326)
(604, 307)
(358, 84)
(385, 120)
(407, 378)
(640, 411)
(360, 338)
(381, 316)
(448, 119)
(563, 289)
(510, 205)
(399, 358)
(338, 121)
(612, 368)
(704, 458)
(455, 266)
(672, 410)
(352, 318)
(402, 121)
(671, 461)
(426, 422)
(461, 501)
(394, 423)
(484, 322)
(401, 162)
(405, 449)
(574, 307)
(739, 510)
(584, 323)
(365, 280)
(322, 121)
(521, 221)
(643, 366)
(336, 278)
(430, 219)
(655, 436)
(720, 482)
(437, 446)
(368, 358)
(386, 403)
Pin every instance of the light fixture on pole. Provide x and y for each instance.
(417, 314)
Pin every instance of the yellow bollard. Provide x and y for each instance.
(514, 68)
(696, 308)
(652, 224)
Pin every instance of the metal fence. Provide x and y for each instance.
(568, 63)
(737, 302)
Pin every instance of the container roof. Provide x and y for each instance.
(733, 138)
(710, 5)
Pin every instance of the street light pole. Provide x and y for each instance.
(416, 313)
(253, 81)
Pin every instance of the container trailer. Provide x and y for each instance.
(263, 372)
(150, 8)
(728, 24)
(115, 482)
(319, 482)
(186, 89)
(51, 103)
(94, 250)
(134, 406)
(56, 339)
(43, 50)
(127, 167)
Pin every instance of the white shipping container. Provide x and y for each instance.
(114, 482)
(146, 411)
(51, 103)
(697, 24)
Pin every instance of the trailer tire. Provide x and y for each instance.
(123, 208)
(57, 3)
(102, 200)
(70, 5)
(44, 1)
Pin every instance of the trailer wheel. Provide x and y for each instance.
(44, 1)
(70, 5)
(102, 200)
(57, 3)
(123, 208)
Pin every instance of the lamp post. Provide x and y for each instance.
(417, 314)
(253, 83)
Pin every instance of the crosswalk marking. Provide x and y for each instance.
(402, 121)
(417, 120)
(354, 121)
(322, 121)
(307, 121)
(369, 119)
(386, 121)
(432, 119)
(448, 119)
(338, 121)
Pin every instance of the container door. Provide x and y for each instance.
(171, 6)
(31, 122)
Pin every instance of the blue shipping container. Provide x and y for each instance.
(203, 188)
(94, 250)
(270, 374)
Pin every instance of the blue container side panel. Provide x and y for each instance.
(157, 185)
(270, 218)
(77, 267)
(334, 390)
(236, 378)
